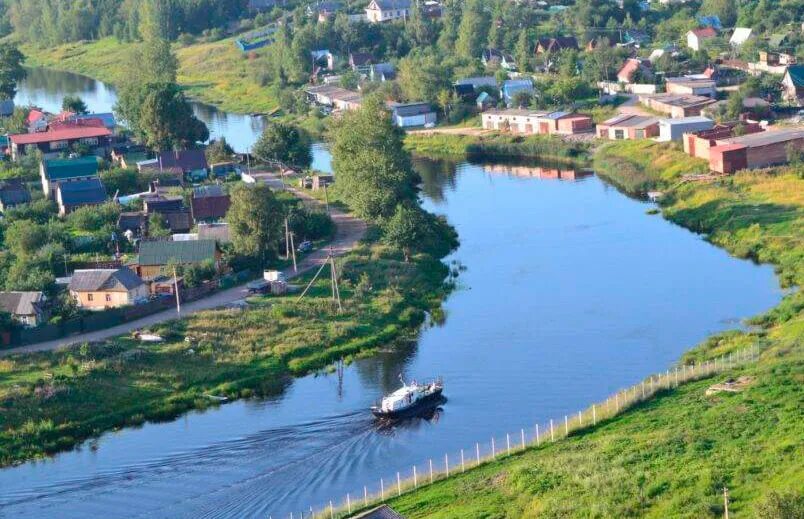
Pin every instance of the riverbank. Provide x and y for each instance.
(496, 146)
(215, 73)
(673, 455)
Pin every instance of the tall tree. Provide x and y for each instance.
(164, 119)
(255, 218)
(11, 70)
(285, 143)
(373, 169)
(74, 104)
(473, 30)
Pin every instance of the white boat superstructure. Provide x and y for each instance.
(408, 397)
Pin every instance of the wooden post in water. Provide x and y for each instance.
(580, 418)
(537, 435)
(643, 390)
(431, 471)
(477, 451)
(348, 503)
(365, 496)
(566, 426)
(522, 436)
(493, 449)
(446, 463)
(617, 401)
(415, 480)
(508, 443)
(594, 414)
(331, 511)
(382, 489)
(463, 467)
(398, 485)
(552, 436)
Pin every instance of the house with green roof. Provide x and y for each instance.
(59, 171)
(154, 256)
(793, 84)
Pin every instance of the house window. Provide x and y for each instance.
(90, 297)
(619, 134)
(59, 145)
(90, 141)
(108, 298)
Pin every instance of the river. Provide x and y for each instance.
(571, 291)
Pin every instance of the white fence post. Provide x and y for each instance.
(415, 479)
(348, 503)
(382, 489)
(552, 436)
(493, 449)
(580, 418)
(566, 426)
(463, 467)
(522, 436)
(365, 496)
(507, 443)
(431, 470)
(594, 414)
(477, 452)
(398, 485)
(446, 463)
(537, 435)
(617, 401)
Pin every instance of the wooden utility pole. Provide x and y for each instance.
(326, 197)
(335, 288)
(293, 252)
(725, 503)
(287, 240)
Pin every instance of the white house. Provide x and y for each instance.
(387, 10)
(696, 37)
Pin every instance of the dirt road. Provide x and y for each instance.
(349, 231)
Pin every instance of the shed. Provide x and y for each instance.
(13, 192)
(27, 308)
(412, 114)
(209, 203)
(154, 255)
(72, 195)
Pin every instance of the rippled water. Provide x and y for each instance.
(571, 292)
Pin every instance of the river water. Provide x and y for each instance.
(570, 292)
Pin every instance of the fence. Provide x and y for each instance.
(436, 469)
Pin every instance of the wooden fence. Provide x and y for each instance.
(556, 429)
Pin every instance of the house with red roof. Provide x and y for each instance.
(696, 37)
(56, 141)
(36, 121)
(630, 67)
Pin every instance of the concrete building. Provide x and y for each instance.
(623, 127)
(756, 150)
(676, 105)
(674, 129)
(528, 122)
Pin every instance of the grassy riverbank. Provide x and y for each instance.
(496, 146)
(50, 401)
(672, 456)
(216, 73)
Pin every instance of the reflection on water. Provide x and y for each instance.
(46, 89)
(571, 292)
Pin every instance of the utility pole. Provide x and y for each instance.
(176, 288)
(293, 252)
(287, 240)
(326, 197)
(725, 503)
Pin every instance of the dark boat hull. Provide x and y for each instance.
(423, 404)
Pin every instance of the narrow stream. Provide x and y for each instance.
(571, 292)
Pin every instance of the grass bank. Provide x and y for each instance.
(672, 456)
(51, 401)
(496, 146)
(216, 73)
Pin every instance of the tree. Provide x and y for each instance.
(726, 10)
(164, 118)
(11, 70)
(219, 151)
(74, 104)
(350, 80)
(256, 219)
(406, 228)
(473, 30)
(157, 227)
(372, 167)
(782, 506)
(422, 76)
(285, 143)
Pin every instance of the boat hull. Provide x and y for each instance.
(431, 400)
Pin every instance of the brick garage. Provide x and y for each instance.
(757, 150)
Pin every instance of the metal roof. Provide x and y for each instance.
(82, 192)
(20, 303)
(765, 138)
(61, 169)
(162, 252)
(104, 280)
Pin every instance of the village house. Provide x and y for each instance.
(492, 57)
(793, 84)
(36, 121)
(756, 150)
(171, 208)
(53, 172)
(740, 36)
(133, 224)
(191, 163)
(13, 193)
(407, 115)
(323, 10)
(53, 142)
(72, 195)
(676, 105)
(26, 308)
(467, 87)
(382, 72)
(697, 143)
(691, 86)
(628, 127)
(323, 59)
(511, 87)
(387, 10)
(209, 203)
(697, 37)
(548, 45)
(154, 256)
(631, 67)
(528, 122)
(361, 61)
(100, 289)
(674, 129)
(218, 231)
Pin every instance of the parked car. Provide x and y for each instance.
(259, 286)
(305, 246)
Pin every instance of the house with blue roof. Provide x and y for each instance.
(511, 87)
(53, 172)
(72, 195)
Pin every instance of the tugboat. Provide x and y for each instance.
(409, 399)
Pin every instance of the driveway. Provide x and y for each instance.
(349, 231)
(631, 106)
